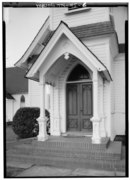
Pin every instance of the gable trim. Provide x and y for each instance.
(64, 29)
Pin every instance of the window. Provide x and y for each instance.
(22, 101)
(79, 73)
(75, 9)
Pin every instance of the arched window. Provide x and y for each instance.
(22, 101)
(79, 73)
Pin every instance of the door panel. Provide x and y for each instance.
(86, 107)
(79, 107)
(72, 107)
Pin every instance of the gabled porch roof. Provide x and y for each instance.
(64, 29)
(44, 35)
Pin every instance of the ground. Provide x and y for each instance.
(17, 169)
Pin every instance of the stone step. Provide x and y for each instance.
(68, 162)
(112, 153)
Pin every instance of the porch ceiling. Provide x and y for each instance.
(58, 67)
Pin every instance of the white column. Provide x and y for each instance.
(102, 124)
(42, 120)
(96, 139)
(56, 121)
(51, 109)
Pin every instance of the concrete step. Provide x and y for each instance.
(68, 162)
(112, 153)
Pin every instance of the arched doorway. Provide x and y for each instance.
(79, 100)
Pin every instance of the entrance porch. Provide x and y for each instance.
(76, 100)
(80, 87)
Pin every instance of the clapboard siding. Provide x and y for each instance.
(119, 81)
(13, 105)
(34, 94)
(100, 49)
(120, 85)
(120, 95)
(94, 15)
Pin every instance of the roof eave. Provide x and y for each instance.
(22, 61)
(106, 75)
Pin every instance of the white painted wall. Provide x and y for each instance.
(120, 15)
(13, 105)
(99, 46)
(9, 109)
(119, 94)
(94, 15)
(34, 95)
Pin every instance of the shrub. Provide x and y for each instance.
(47, 114)
(25, 122)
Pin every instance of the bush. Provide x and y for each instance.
(25, 123)
(47, 114)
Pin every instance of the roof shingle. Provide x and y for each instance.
(89, 30)
(95, 29)
(16, 83)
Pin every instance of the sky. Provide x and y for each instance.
(22, 25)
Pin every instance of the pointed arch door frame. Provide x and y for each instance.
(79, 98)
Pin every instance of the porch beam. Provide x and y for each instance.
(42, 136)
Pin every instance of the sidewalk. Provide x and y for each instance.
(31, 170)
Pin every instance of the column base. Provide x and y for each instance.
(55, 133)
(42, 138)
(102, 126)
(96, 140)
(42, 129)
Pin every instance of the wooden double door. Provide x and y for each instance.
(79, 107)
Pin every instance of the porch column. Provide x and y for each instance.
(102, 124)
(51, 110)
(96, 139)
(42, 120)
(56, 121)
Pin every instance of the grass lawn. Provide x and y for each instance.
(10, 135)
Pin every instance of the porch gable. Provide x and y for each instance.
(64, 29)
